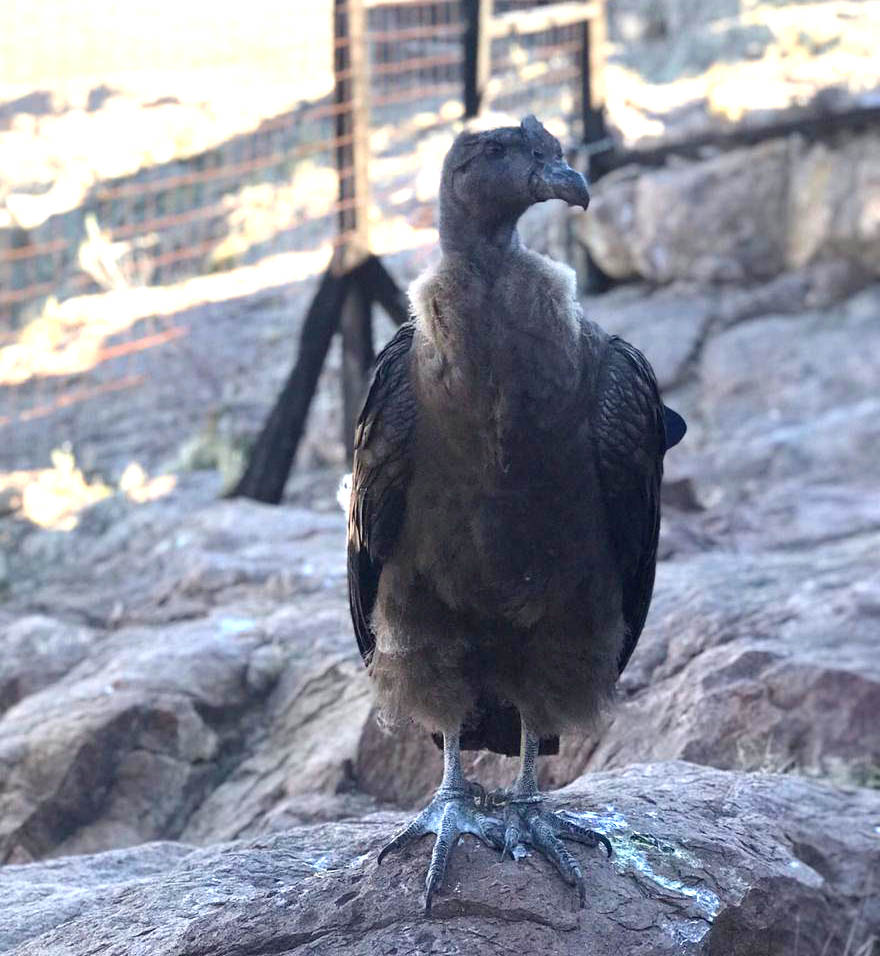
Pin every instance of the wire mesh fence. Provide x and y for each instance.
(157, 151)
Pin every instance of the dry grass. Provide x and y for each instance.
(53, 497)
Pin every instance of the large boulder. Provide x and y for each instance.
(740, 216)
(834, 203)
(608, 229)
(755, 662)
(123, 748)
(36, 651)
(704, 862)
(721, 219)
(813, 409)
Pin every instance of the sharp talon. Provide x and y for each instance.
(414, 831)
(581, 834)
(495, 836)
(430, 886)
(511, 838)
(388, 848)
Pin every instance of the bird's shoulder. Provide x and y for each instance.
(628, 398)
(382, 436)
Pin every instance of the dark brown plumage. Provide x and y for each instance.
(505, 499)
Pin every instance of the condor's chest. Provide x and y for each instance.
(503, 522)
(504, 474)
(511, 381)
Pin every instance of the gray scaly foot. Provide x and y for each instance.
(452, 812)
(526, 821)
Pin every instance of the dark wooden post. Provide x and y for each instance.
(593, 75)
(593, 115)
(352, 282)
(352, 154)
(378, 284)
(357, 355)
(477, 53)
(272, 456)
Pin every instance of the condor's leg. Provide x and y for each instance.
(526, 820)
(455, 808)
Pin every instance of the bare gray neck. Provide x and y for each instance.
(480, 243)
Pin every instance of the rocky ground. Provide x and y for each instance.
(739, 864)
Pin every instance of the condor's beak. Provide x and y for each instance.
(566, 183)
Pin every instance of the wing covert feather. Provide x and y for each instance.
(382, 467)
(630, 443)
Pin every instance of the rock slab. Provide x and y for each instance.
(705, 862)
(744, 215)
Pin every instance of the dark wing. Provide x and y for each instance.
(675, 426)
(382, 465)
(630, 435)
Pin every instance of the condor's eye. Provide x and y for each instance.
(538, 155)
(494, 149)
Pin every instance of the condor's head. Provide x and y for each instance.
(490, 178)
